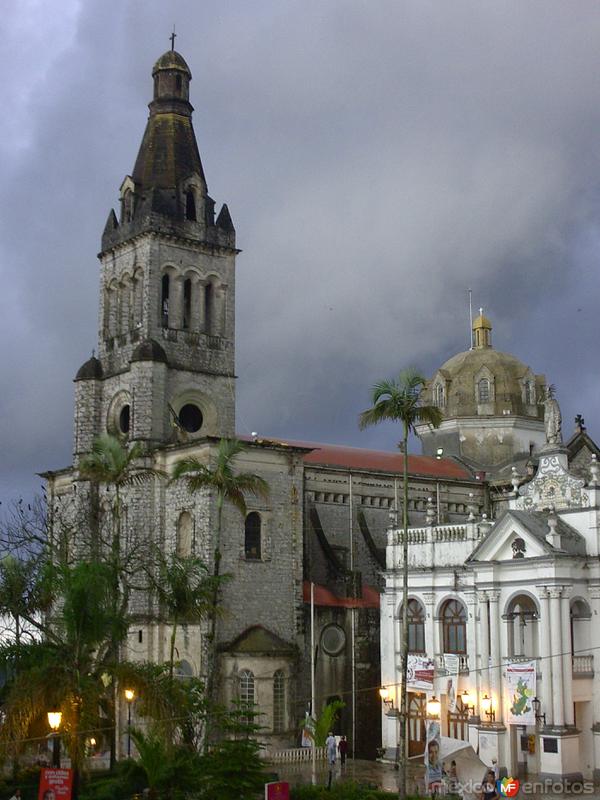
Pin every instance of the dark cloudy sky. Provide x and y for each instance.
(378, 157)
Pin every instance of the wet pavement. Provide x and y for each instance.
(375, 774)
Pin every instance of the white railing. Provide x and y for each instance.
(295, 754)
(583, 665)
(435, 533)
(463, 663)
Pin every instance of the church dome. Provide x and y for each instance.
(486, 382)
(91, 370)
(149, 350)
(171, 60)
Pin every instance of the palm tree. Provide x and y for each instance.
(64, 671)
(228, 486)
(117, 466)
(184, 590)
(401, 401)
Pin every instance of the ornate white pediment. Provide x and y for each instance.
(553, 485)
(509, 539)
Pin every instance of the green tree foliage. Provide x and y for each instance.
(326, 720)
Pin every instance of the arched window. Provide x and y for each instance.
(190, 205)
(185, 529)
(454, 624)
(164, 302)
(208, 308)
(252, 526)
(187, 303)
(127, 206)
(439, 395)
(416, 627)
(483, 390)
(178, 84)
(530, 393)
(138, 298)
(278, 702)
(247, 697)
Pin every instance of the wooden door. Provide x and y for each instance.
(417, 712)
(458, 722)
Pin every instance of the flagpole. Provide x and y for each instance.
(312, 681)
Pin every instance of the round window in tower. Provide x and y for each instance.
(190, 418)
(124, 419)
(333, 640)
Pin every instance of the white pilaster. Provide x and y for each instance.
(545, 650)
(484, 647)
(496, 670)
(557, 661)
(567, 656)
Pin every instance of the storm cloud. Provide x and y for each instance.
(378, 159)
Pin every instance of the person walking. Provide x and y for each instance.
(343, 748)
(331, 745)
(16, 795)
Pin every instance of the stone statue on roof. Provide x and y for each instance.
(552, 417)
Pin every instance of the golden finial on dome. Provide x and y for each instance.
(482, 331)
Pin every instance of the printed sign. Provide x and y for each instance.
(520, 691)
(55, 784)
(419, 674)
(277, 791)
(451, 665)
(433, 762)
(308, 731)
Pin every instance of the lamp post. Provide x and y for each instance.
(487, 707)
(433, 707)
(129, 696)
(468, 702)
(54, 720)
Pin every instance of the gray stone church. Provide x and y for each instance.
(164, 375)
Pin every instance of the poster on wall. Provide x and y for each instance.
(520, 691)
(433, 762)
(451, 665)
(419, 674)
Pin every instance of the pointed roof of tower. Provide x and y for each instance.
(169, 152)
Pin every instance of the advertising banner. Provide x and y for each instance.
(308, 731)
(520, 691)
(55, 784)
(451, 665)
(420, 671)
(433, 762)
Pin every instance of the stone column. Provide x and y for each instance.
(567, 656)
(545, 651)
(472, 643)
(197, 305)
(496, 671)
(484, 647)
(557, 661)
(176, 303)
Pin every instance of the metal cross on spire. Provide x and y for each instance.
(172, 38)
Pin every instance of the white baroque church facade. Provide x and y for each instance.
(522, 588)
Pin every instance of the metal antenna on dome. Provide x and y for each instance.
(470, 319)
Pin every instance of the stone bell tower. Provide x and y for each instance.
(165, 365)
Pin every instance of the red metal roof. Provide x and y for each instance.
(325, 597)
(333, 455)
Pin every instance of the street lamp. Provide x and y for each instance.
(129, 696)
(537, 710)
(488, 708)
(468, 701)
(433, 707)
(54, 720)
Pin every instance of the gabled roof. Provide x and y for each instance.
(534, 523)
(257, 639)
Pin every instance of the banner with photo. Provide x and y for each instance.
(433, 762)
(451, 666)
(520, 691)
(420, 671)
